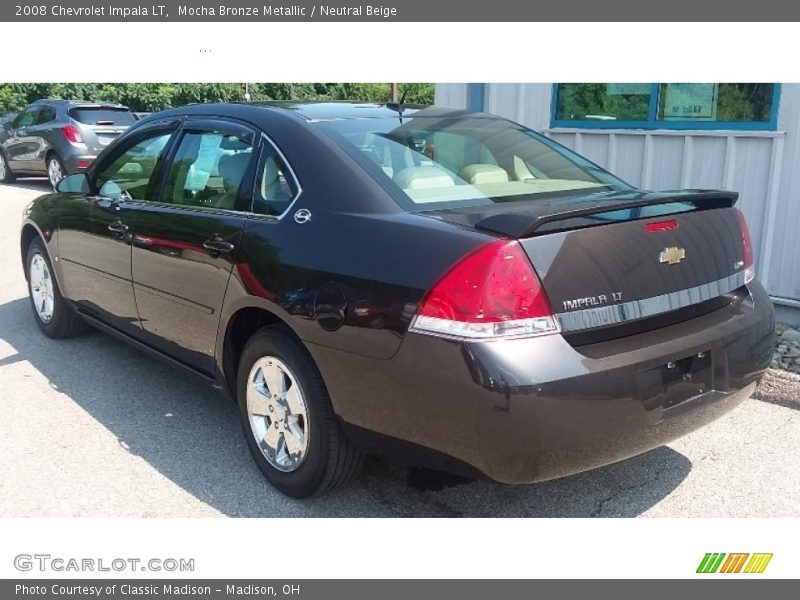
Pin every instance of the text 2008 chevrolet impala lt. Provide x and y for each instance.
(439, 284)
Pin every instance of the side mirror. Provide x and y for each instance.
(77, 183)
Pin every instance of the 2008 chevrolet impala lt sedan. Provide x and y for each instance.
(442, 285)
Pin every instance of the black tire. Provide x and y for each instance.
(64, 323)
(330, 460)
(53, 158)
(6, 176)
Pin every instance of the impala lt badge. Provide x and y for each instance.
(672, 255)
(590, 301)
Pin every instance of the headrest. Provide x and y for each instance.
(415, 178)
(232, 167)
(478, 174)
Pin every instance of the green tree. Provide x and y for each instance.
(150, 97)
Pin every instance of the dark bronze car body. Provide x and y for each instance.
(347, 275)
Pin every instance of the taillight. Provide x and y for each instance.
(747, 248)
(492, 293)
(72, 134)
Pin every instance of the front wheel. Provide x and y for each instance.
(53, 315)
(289, 423)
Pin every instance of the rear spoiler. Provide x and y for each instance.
(526, 223)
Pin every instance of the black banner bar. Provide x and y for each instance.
(395, 10)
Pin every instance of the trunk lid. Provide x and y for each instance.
(612, 258)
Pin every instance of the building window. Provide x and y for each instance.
(666, 105)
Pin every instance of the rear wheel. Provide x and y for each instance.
(288, 420)
(53, 315)
(55, 170)
(6, 176)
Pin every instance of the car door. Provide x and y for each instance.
(184, 245)
(18, 147)
(37, 140)
(94, 237)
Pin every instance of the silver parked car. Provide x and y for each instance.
(58, 137)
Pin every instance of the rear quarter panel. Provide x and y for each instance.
(347, 281)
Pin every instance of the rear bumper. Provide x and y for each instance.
(73, 162)
(522, 411)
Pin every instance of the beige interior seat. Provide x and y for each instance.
(521, 170)
(416, 178)
(231, 169)
(481, 174)
(270, 182)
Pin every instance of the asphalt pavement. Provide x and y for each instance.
(92, 427)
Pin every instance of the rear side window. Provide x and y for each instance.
(102, 116)
(276, 186)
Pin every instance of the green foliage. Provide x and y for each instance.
(745, 101)
(148, 97)
(582, 100)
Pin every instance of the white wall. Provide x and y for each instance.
(451, 95)
(784, 260)
(526, 103)
(761, 165)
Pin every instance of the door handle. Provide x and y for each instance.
(118, 228)
(216, 243)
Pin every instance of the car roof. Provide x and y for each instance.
(335, 110)
(77, 103)
(311, 111)
(332, 110)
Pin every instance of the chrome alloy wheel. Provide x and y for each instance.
(278, 414)
(41, 288)
(54, 172)
(2, 168)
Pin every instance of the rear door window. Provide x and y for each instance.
(89, 115)
(46, 114)
(209, 170)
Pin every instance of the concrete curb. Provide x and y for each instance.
(779, 387)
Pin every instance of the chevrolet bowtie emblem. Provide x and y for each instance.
(672, 255)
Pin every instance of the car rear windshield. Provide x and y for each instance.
(431, 163)
(90, 115)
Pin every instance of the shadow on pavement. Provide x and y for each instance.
(200, 447)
